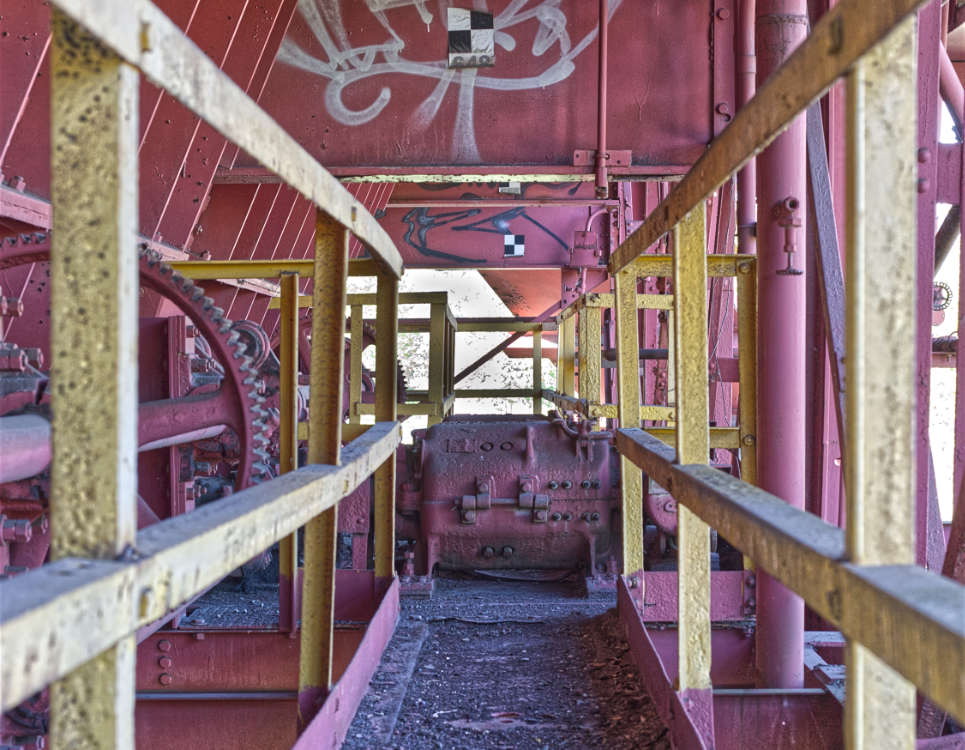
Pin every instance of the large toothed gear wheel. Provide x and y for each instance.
(236, 403)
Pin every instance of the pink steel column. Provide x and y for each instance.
(781, 192)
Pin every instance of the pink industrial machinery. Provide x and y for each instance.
(510, 492)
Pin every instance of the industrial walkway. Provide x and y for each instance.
(498, 664)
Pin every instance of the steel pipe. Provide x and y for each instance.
(24, 446)
(781, 190)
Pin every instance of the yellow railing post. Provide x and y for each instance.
(438, 357)
(387, 319)
(747, 368)
(288, 442)
(356, 345)
(693, 447)
(628, 412)
(538, 371)
(326, 378)
(881, 287)
(94, 298)
(591, 360)
(566, 351)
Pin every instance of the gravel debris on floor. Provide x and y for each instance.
(491, 665)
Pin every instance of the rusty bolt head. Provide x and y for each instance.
(723, 14)
(506, 446)
(486, 447)
(924, 155)
(468, 516)
(17, 530)
(165, 662)
(507, 551)
(527, 486)
(199, 636)
(750, 580)
(924, 185)
(164, 645)
(14, 307)
(748, 440)
(567, 516)
(585, 515)
(540, 515)
(165, 679)
(566, 484)
(594, 516)
(484, 487)
(723, 109)
(552, 485)
(744, 267)
(670, 506)
(556, 516)
(488, 552)
(586, 484)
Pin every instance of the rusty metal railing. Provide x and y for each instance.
(71, 624)
(905, 626)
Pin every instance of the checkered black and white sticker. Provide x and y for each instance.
(471, 38)
(514, 245)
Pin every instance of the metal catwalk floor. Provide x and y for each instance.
(494, 664)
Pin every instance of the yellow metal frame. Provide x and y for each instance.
(71, 624)
(904, 624)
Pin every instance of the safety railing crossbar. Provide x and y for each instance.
(141, 35)
(838, 40)
(914, 629)
(58, 616)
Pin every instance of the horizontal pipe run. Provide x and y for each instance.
(24, 446)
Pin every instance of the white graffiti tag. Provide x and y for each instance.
(344, 65)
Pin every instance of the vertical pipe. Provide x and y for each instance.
(693, 447)
(881, 372)
(94, 298)
(326, 375)
(628, 412)
(781, 26)
(602, 157)
(538, 370)
(746, 87)
(288, 443)
(386, 381)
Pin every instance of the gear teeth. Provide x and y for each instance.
(234, 337)
(262, 454)
(195, 292)
(258, 411)
(217, 314)
(250, 379)
(255, 396)
(176, 278)
(260, 468)
(224, 326)
(262, 438)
